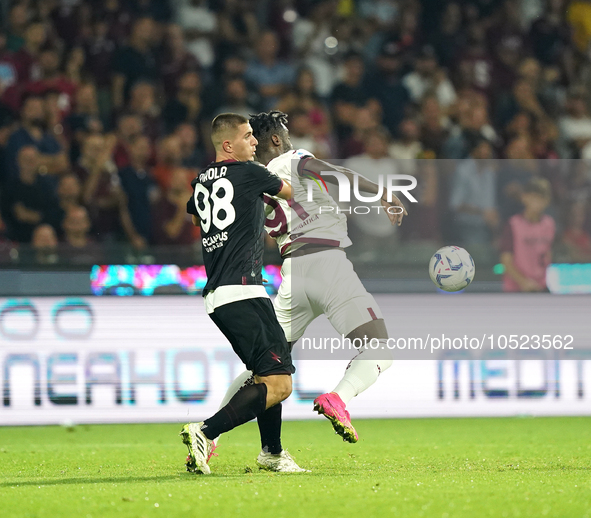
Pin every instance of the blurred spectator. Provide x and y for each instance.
(7, 126)
(472, 117)
(8, 66)
(101, 188)
(77, 246)
(117, 17)
(168, 159)
(69, 194)
(350, 94)
(237, 25)
(428, 77)
(303, 96)
(176, 60)
(83, 119)
(386, 87)
(135, 61)
(236, 98)
(448, 40)
(137, 182)
(18, 19)
(129, 126)
(45, 245)
(186, 105)
(192, 155)
(476, 66)
(372, 232)
(99, 50)
(266, 72)
(32, 132)
(27, 200)
(142, 102)
(365, 120)
(473, 196)
(27, 56)
(52, 78)
(301, 134)
(383, 14)
(514, 174)
(576, 240)
(170, 222)
(407, 146)
(315, 44)
(434, 125)
(575, 126)
(526, 244)
(199, 24)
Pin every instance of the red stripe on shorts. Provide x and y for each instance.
(372, 313)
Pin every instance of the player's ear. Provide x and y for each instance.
(276, 140)
(227, 146)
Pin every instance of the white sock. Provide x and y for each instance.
(363, 372)
(242, 380)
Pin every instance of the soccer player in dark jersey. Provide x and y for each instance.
(228, 204)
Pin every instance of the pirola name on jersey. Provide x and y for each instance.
(212, 174)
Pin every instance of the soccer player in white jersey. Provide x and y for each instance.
(330, 285)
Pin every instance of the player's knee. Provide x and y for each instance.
(384, 364)
(278, 388)
(285, 387)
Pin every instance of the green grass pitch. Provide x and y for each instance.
(445, 468)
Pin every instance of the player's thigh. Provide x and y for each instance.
(293, 308)
(345, 301)
(252, 328)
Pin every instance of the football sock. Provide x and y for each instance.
(242, 380)
(270, 428)
(245, 405)
(363, 372)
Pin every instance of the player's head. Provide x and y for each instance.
(232, 137)
(271, 131)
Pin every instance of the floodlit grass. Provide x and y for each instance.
(528, 467)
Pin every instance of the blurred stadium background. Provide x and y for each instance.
(104, 115)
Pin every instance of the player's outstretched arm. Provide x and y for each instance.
(317, 166)
(286, 192)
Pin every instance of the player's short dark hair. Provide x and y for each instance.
(223, 123)
(266, 124)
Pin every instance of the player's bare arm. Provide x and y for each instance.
(317, 166)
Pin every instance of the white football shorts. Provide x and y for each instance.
(322, 283)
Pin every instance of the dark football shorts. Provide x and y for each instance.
(252, 328)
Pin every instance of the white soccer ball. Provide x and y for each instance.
(451, 268)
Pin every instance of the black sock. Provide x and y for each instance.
(246, 404)
(270, 427)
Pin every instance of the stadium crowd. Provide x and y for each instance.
(105, 107)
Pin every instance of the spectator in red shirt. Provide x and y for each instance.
(51, 78)
(526, 244)
(169, 158)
